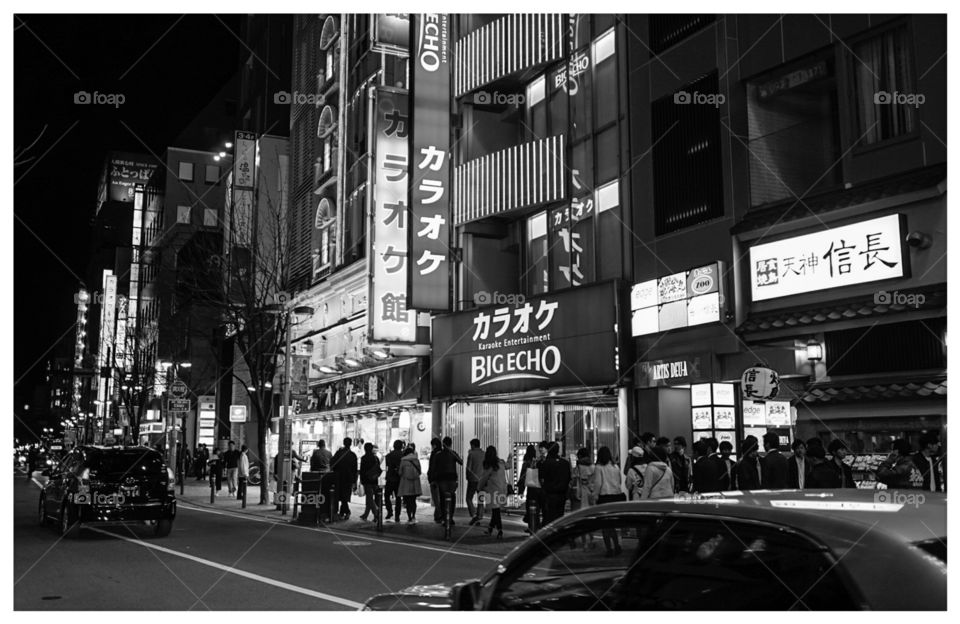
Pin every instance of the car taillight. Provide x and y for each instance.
(171, 479)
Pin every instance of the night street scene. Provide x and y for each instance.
(496, 311)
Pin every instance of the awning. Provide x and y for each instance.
(359, 410)
(932, 385)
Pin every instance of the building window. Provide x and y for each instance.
(792, 130)
(185, 171)
(667, 30)
(210, 217)
(686, 148)
(537, 269)
(183, 214)
(212, 174)
(883, 85)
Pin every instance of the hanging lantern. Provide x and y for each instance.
(759, 383)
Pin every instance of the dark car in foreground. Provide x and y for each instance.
(104, 484)
(782, 550)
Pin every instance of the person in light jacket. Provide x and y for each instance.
(409, 488)
(658, 482)
(493, 486)
(243, 472)
(608, 484)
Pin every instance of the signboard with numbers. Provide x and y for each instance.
(429, 228)
(684, 299)
(841, 256)
(390, 318)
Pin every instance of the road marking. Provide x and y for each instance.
(181, 505)
(250, 575)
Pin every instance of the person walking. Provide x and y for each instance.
(321, 458)
(555, 481)
(493, 488)
(529, 461)
(392, 480)
(608, 484)
(445, 466)
(798, 466)
(435, 447)
(581, 489)
(243, 472)
(930, 464)
(774, 468)
(706, 471)
(634, 478)
(231, 465)
(658, 477)
(344, 465)
(747, 473)
(898, 470)
(680, 464)
(474, 468)
(409, 488)
(370, 472)
(215, 468)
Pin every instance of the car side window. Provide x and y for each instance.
(719, 564)
(575, 570)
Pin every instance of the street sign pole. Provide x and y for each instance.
(284, 440)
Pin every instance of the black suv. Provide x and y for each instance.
(96, 484)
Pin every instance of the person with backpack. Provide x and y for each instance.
(658, 477)
(390, 491)
(636, 473)
(409, 487)
(369, 478)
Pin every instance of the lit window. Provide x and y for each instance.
(212, 175)
(608, 196)
(183, 214)
(604, 46)
(186, 171)
(210, 217)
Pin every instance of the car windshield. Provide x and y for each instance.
(132, 461)
(935, 547)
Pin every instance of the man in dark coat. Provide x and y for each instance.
(680, 465)
(706, 471)
(446, 473)
(799, 466)
(930, 464)
(776, 472)
(555, 481)
(392, 479)
(725, 464)
(344, 465)
(747, 473)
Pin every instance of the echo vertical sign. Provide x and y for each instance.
(428, 286)
(391, 318)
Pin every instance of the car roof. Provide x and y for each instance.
(99, 448)
(903, 515)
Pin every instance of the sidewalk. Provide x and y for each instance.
(425, 531)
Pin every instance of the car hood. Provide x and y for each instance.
(415, 598)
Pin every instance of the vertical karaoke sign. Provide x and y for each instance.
(390, 318)
(429, 232)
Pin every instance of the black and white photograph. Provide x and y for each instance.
(528, 309)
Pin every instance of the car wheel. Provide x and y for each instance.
(163, 527)
(69, 525)
(42, 515)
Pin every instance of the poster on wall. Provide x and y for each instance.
(702, 418)
(679, 300)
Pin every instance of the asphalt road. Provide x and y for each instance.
(215, 560)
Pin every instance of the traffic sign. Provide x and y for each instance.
(238, 413)
(178, 405)
(179, 389)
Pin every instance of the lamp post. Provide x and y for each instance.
(174, 434)
(284, 440)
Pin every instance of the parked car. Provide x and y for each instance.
(783, 550)
(101, 484)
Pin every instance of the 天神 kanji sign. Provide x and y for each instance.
(842, 256)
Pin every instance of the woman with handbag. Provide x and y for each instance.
(608, 484)
(493, 488)
(533, 490)
(409, 488)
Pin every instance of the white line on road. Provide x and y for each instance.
(250, 575)
(181, 506)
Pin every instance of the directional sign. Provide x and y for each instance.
(238, 413)
(179, 389)
(178, 405)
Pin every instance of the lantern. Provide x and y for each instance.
(759, 383)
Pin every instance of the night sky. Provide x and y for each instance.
(167, 67)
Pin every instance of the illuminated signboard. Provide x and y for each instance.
(429, 230)
(841, 256)
(712, 411)
(684, 299)
(125, 173)
(390, 318)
